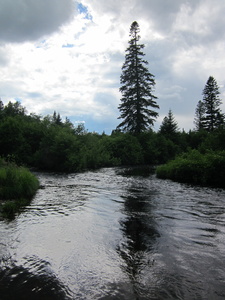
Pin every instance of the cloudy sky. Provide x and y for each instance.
(66, 55)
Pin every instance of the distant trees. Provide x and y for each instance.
(199, 115)
(137, 85)
(14, 109)
(56, 118)
(208, 113)
(169, 125)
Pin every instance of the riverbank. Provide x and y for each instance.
(206, 169)
(17, 187)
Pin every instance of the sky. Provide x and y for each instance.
(66, 55)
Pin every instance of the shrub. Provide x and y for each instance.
(194, 167)
(17, 182)
(17, 185)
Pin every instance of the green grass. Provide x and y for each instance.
(17, 185)
(206, 169)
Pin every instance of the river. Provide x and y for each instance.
(115, 234)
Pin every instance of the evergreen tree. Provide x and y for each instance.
(169, 125)
(199, 115)
(136, 87)
(213, 117)
(56, 118)
(1, 105)
(1, 108)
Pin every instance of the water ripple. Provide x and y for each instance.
(112, 234)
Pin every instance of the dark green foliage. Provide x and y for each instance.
(14, 109)
(156, 148)
(1, 109)
(196, 168)
(136, 87)
(11, 137)
(56, 119)
(17, 182)
(169, 127)
(199, 116)
(10, 208)
(17, 186)
(214, 141)
(210, 116)
(125, 149)
(47, 144)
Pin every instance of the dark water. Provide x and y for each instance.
(112, 235)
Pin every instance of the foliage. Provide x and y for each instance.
(136, 87)
(47, 144)
(125, 149)
(169, 127)
(197, 168)
(17, 186)
(10, 208)
(210, 115)
(199, 115)
(16, 182)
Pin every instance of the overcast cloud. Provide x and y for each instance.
(67, 55)
(23, 20)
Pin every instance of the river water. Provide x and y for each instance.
(115, 234)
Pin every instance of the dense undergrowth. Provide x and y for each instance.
(207, 169)
(17, 187)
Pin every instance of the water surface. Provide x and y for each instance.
(109, 234)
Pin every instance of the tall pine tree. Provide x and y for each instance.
(137, 84)
(213, 117)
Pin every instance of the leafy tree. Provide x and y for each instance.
(169, 125)
(213, 117)
(80, 129)
(14, 109)
(199, 115)
(136, 87)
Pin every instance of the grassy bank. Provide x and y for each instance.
(17, 187)
(193, 167)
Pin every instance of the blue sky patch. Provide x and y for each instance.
(84, 10)
(68, 46)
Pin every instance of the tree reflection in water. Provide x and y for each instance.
(19, 283)
(140, 234)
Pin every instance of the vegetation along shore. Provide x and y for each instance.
(17, 187)
(52, 144)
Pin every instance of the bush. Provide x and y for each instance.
(17, 182)
(17, 185)
(194, 167)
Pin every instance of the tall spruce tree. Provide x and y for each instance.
(213, 117)
(137, 84)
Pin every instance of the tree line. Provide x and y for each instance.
(50, 143)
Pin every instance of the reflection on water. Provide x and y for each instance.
(19, 282)
(140, 234)
(115, 234)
